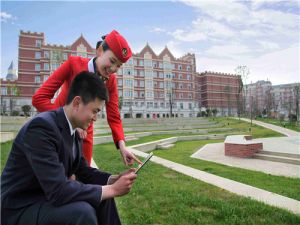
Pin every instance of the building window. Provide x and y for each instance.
(149, 84)
(46, 54)
(128, 72)
(120, 82)
(180, 77)
(148, 63)
(38, 43)
(129, 62)
(46, 66)
(37, 79)
(179, 67)
(149, 73)
(142, 83)
(120, 93)
(3, 91)
(149, 94)
(188, 68)
(162, 105)
(142, 73)
(37, 55)
(181, 105)
(135, 94)
(161, 84)
(149, 104)
(142, 94)
(135, 83)
(54, 66)
(190, 105)
(46, 77)
(128, 83)
(141, 62)
(65, 56)
(161, 75)
(37, 67)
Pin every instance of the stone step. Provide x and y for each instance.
(275, 158)
(130, 138)
(283, 154)
(164, 146)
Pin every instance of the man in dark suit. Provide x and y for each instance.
(35, 184)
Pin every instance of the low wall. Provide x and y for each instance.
(241, 146)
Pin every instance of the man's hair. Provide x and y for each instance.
(88, 86)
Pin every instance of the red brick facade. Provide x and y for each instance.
(148, 82)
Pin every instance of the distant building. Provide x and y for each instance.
(257, 96)
(276, 100)
(218, 91)
(284, 99)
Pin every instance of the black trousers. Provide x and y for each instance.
(75, 213)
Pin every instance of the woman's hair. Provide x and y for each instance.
(103, 43)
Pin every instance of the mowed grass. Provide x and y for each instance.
(242, 127)
(163, 196)
(182, 151)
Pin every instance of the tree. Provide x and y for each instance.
(214, 111)
(26, 109)
(227, 89)
(296, 93)
(243, 72)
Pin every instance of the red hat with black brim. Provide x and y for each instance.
(117, 43)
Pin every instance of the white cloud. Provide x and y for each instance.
(5, 17)
(268, 45)
(228, 51)
(279, 67)
(212, 28)
(188, 36)
(157, 30)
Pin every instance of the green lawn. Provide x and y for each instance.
(242, 127)
(163, 196)
(182, 151)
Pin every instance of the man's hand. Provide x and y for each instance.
(82, 133)
(128, 156)
(121, 186)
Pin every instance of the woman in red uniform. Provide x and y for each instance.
(112, 52)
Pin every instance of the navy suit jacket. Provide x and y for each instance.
(40, 163)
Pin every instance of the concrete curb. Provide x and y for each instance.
(241, 189)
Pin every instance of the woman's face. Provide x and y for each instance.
(107, 63)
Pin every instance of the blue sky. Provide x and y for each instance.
(261, 34)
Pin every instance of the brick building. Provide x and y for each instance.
(150, 85)
(218, 91)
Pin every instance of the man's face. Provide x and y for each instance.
(87, 113)
(107, 63)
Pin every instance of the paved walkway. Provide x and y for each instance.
(229, 185)
(215, 153)
(278, 129)
(234, 186)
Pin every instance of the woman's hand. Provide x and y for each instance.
(127, 155)
(82, 133)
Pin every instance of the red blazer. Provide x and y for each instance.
(62, 78)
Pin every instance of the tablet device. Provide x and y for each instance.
(145, 161)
